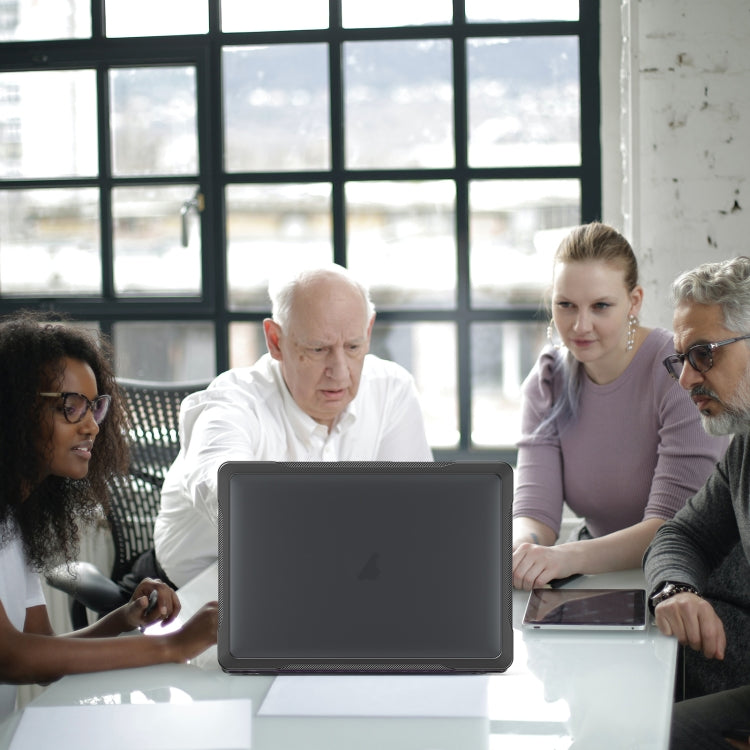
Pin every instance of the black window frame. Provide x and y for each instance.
(204, 51)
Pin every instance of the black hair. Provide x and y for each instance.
(50, 513)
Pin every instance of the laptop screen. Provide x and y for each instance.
(365, 566)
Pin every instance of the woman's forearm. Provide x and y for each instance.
(30, 658)
(529, 530)
(620, 550)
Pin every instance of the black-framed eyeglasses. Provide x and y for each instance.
(75, 406)
(700, 357)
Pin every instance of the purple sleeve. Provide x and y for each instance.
(686, 453)
(539, 476)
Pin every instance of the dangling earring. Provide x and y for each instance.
(632, 328)
(551, 331)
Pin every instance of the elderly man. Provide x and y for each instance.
(317, 395)
(710, 536)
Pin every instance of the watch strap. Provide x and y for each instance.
(668, 590)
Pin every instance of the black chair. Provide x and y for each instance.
(134, 503)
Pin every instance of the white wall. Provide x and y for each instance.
(676, 145)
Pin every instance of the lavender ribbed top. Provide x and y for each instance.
(636, 450)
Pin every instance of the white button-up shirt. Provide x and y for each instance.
(248, 414)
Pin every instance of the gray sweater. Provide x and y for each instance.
(690, 546)
(707, 544)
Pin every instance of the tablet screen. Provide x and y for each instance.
(593, 609)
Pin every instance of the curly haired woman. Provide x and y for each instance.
(62, 440)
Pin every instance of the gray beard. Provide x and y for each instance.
(735, 416)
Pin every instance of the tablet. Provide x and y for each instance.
(586, 609)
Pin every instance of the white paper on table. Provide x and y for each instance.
(377, 695)
(202, 725)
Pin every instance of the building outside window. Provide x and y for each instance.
(161, 161)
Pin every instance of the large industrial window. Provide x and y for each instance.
(160, 161)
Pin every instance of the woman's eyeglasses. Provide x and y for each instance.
(700, 357)
(75, 406)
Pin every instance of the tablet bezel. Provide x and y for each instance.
(632, 599)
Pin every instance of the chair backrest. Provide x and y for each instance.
(154, 443)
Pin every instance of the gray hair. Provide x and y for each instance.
(725, 283)
(282, 295)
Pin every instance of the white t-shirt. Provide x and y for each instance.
(248, 414)
(20, 588)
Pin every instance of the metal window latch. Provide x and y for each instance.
(196, 203)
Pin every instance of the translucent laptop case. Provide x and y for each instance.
(365, 567)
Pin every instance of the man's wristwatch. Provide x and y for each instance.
(669, 590)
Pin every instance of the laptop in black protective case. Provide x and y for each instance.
(365, 567)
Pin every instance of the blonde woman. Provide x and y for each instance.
(603, 428)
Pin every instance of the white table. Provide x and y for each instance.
(585, 689)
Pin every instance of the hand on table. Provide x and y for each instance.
(694, 622)
(535, 565)
(198, 633)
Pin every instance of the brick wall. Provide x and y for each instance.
(683, 181)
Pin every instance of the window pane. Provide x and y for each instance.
(247, 344)
(271, 228)
(395, 13)
(528, 10)
(166, 351)
(515, 228)
(49, 242)
(425, 349)
(524, 102)
(160, 18)
(150, 257)
(276, 108)
(30, 147)
(154, 128)
(502, 354)
(398, 101)
(29, 20)
(401, 240)
(280, 15)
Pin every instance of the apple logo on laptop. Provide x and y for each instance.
(370, 570)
